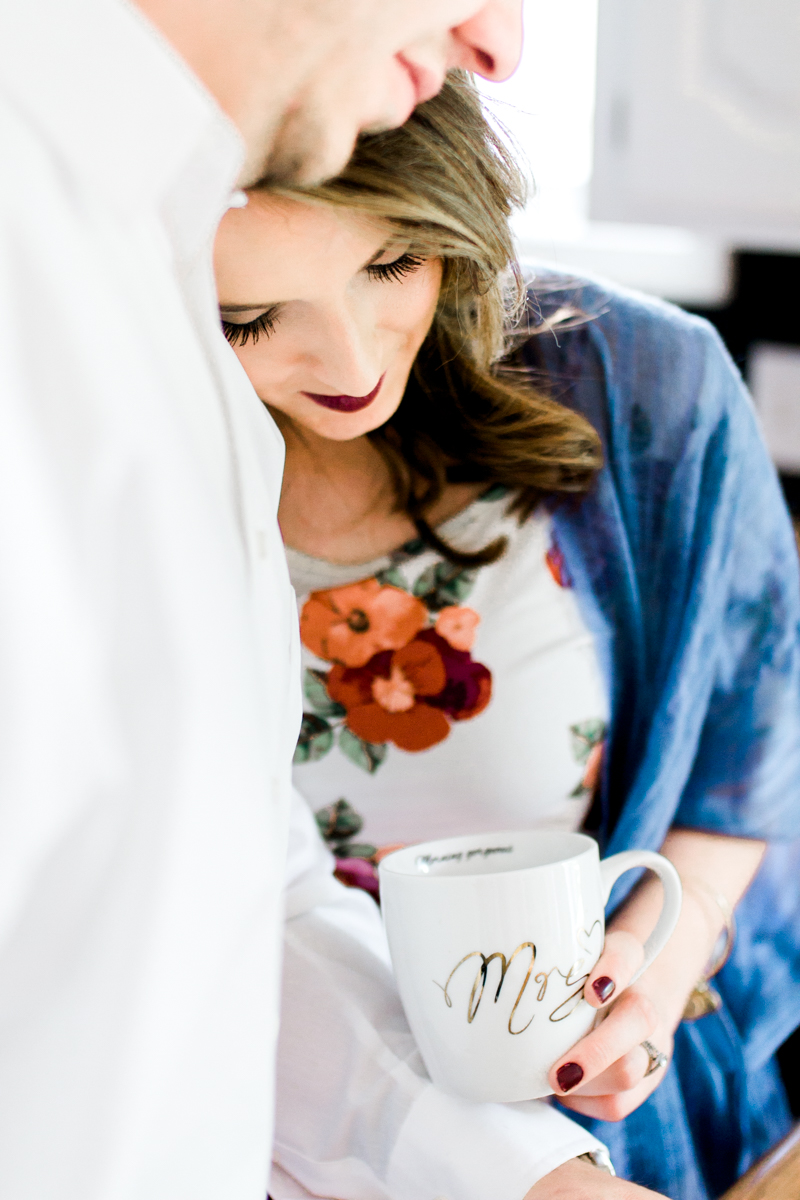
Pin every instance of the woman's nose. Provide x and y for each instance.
(346, 356)
(490, 43)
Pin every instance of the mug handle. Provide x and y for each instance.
(610, 871)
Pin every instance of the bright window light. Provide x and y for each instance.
(548, 106)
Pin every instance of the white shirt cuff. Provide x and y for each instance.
(452, 1149)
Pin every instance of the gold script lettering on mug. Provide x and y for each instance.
(572, 978)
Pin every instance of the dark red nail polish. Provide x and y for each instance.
(569, 1076)
(603, 988)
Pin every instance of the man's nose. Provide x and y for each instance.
(490, 43)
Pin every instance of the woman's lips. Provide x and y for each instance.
(347, 404)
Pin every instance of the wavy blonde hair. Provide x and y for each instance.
(470, 412)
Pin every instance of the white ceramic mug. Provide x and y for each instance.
(492, 939)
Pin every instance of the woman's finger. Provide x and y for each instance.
(610, 1108)
(622, 1088)
(615, 968)
(617, 1104)
(625, 1073)
(629, 1022)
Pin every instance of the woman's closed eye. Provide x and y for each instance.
(239, 333)
(406, 264)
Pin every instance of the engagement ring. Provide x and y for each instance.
(658, 1058)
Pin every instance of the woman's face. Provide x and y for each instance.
(325, 309)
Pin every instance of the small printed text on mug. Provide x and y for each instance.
(425, 861)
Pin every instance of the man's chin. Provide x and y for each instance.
(305, 153)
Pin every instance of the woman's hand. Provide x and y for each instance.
(605, 1074)
(575, 1180)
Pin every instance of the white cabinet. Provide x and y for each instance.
(774, 377)
(698, 117)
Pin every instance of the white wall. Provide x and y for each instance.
(698, 117)
(548, 108)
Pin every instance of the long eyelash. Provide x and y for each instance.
(240, 335)
(404, 265)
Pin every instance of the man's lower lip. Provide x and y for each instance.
(345, 404)
(425, 83)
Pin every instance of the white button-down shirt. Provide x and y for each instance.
(148, 703)
(149, 700)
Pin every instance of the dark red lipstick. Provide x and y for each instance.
(346, 404)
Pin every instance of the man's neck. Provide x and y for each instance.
(253, 65)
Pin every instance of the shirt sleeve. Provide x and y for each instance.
(357, 1117)
(146, 669)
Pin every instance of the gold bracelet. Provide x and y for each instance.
(704, 998)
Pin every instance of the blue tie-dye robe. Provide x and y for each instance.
(685, 564)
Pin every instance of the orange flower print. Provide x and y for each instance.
(349, 625)
(594, 762)
(457, 625)
(385, 700)
(402, 671)
(469, 684)
(406, 696)
(557, 566)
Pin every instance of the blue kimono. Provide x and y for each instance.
(685, 565)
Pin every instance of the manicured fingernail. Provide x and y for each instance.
(603, 988)
(569, 1076)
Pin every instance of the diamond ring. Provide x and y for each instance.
(658, 1058)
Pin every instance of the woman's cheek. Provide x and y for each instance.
(431, 282)
(258, 368)
(410, 309)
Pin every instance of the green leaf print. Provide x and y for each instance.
(410, 549)
(495, 493)
(585, 736)
(587, 748)
(338, 820)
(315, 740)
(367, 755)
(392, 576)
(355, 850)
(444, 584)
(315, 688)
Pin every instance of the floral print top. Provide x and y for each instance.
(440, 700)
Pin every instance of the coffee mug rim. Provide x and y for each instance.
(391, 863)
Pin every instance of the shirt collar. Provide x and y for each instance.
(123, 111)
